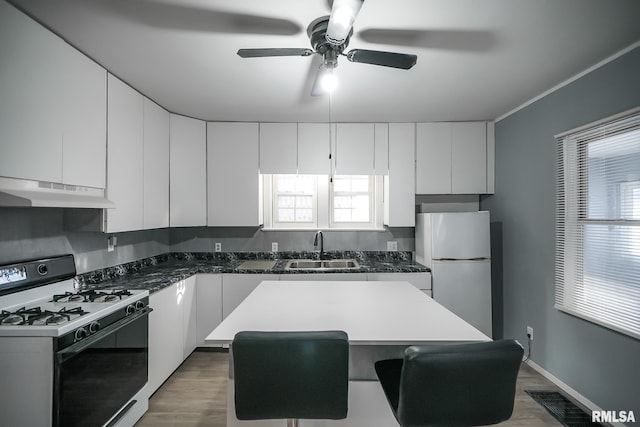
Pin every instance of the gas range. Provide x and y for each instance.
(80, 358)
(81, 312)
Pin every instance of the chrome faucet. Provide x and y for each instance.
(315, 242)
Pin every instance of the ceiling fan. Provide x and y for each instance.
(329, 37)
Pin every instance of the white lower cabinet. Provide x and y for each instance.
(236, 287)
(165, 336)
(187, 288)
(208, 306)
(421, 281)
(172, 330)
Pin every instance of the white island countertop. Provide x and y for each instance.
(371, 313)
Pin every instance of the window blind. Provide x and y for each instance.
(598, 223)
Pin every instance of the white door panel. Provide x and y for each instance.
(464, 287)
(461, 235)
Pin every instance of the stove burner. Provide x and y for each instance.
(18, 317)
(56, 318)
(92, 296)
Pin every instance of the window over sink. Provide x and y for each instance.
(322, 201)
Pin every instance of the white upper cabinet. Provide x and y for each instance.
(355, 149)
(124, 157)
(469, 158)
(30, 131)
(314, 148)
(433, 158)
(188, 172)
(452, 158)
(381, 161)
(156, 166)
(84, 136)
(278, 148)
(232, 174)
(399, 185)
(52, 106)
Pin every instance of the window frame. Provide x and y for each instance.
(323, 207)
(588, 287)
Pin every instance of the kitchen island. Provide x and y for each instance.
(381, 319)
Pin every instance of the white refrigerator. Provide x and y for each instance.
(456, 247)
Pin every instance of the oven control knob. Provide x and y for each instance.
(80, 334)
(139, 305)
(94, 327)
(130, 309)
(42, 269)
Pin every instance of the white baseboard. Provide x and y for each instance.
(586, 403)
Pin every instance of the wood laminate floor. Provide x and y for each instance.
(195, 396)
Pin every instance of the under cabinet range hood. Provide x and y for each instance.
(41, 194)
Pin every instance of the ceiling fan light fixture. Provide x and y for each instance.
(343, 14)
(328, 79)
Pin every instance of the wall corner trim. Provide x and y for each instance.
(571, 79)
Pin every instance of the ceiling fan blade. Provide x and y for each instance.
(461, 40)
(260, 53)
(176, 16)
(386, 59)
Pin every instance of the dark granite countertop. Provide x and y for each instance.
(158, 272)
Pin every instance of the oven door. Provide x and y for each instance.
(96, 377)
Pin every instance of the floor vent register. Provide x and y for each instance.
(564, 410)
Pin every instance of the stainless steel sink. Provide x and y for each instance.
(329, 264)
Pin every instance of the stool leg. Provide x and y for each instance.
(292, 422)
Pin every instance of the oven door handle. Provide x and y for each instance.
(68, 352)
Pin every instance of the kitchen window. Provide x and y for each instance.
(322, 201)
(598, 223)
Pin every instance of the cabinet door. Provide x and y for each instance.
(156, 166)
(278, 148)
(189, 316)
(232, 174)
(381, 161)
(399, 185)
(469, 158)
(124, 157)
(433, 158)
(355, 149)
(209, 306)
(30, 129)
(188, 172)
(314, 148)
(236, 287)
(165, 335)
(84, 102)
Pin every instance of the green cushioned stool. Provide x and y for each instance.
(291, 375)
(452, 385)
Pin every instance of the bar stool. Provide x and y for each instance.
(291, 375)
(453, 385)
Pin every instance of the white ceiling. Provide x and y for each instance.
(477, 60)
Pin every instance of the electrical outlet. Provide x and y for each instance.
(274, 246)
(392, 245)
(112, 241)
(530, 332)
(218, 247)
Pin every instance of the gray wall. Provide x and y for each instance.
(39, 232)
(203, 239)
(600, 364)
